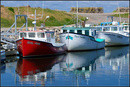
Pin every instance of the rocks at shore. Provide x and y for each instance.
(122, 9)
(88, 9)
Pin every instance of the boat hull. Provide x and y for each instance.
(77, 42)
(114, 39)
(3, 57)
(31, 48)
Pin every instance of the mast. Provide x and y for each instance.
(77, 15)
(119, 12)
(42, 8)
(35, 20)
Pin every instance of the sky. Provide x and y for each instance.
(108, 6)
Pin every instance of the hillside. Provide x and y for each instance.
(125, 15)
(57, 18)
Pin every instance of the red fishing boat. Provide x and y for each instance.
(38, 43)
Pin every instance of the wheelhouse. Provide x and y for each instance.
(37, 35)
(109, 28)
(90, 31)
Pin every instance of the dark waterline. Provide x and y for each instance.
(105, 67)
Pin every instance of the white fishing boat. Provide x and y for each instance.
(113, 34)
(81, 37)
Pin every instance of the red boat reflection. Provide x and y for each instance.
(36, 65)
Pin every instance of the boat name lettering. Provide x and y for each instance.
(37, 43)
(29, 42)
(76, 36)
(62, 35)
(79, 36)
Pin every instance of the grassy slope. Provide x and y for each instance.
(57, 18)
(122, 15)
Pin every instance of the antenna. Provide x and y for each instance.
(27, 7)
(77, 15)
(42, 9)
(18, 10)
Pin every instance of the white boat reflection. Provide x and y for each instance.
(114, 58)
(76, 60)
(112, 61)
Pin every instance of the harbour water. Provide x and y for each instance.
(105, 67)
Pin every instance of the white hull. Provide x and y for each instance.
(78, 42)
(112, 39)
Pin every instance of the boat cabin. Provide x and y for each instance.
(110, 28)
(47, 36)
(89, 31)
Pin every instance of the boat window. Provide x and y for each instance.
(99, 28)
(31, 34)
(22, 35)
(106, 29)
(120, 29)
(94, 32)
(64, 31)
(48, 37)
(40, 35)
(86, 32)
(113, 28)
(52, 35)
(71, 31)
(126, 27)
(79, 31)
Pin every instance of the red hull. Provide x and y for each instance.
(28, 47)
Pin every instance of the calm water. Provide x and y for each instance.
(106, 67)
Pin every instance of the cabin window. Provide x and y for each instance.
(94, 32)
(106, 29)
(87, 32)
(40, 35)
(52, 35)
(99, 28)
(113, 28)
(120, 29)
(79, 31)
(126, 27)
(71, 31)
(32, 35)
(64, 31)
(22, 35)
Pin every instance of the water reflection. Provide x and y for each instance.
(115, 58)
(36, 69)
(3, 67)
(77, 60)
(81, 63)
(106, 67)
